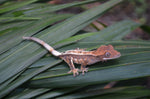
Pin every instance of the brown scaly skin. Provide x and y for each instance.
(80, 56)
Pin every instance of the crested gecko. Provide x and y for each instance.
(80, 56)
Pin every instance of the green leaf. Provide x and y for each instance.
(12, 6)
(58, 92)
(14, 25)
(14, 37)
(73, 39)
(116, 93)
(129, 93)
(58, 7)
(119, 30)
(127, 67)
(30, 93)
(6, 19)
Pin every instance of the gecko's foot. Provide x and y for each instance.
(83, 70)
(74, 71)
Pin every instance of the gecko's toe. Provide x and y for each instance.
(74, 71)
(69, 71)
(83, 70)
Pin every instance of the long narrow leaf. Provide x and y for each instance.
(30, 93)
(58, 7)
(13, 6)
(118, 30)
(14, 37)
(116, 93)
(120, 69)
(8, 19)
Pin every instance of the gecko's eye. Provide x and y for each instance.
(107, 54)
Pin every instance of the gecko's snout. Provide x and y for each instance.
(118, 55)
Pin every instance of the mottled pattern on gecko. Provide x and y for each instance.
(80, 56)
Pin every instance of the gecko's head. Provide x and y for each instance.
(108, 52)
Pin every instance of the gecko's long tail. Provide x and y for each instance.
(48, 47)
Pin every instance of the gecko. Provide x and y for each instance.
(81, 56)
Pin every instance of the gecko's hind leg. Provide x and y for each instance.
(72, 67)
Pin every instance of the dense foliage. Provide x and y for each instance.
(27, 70)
